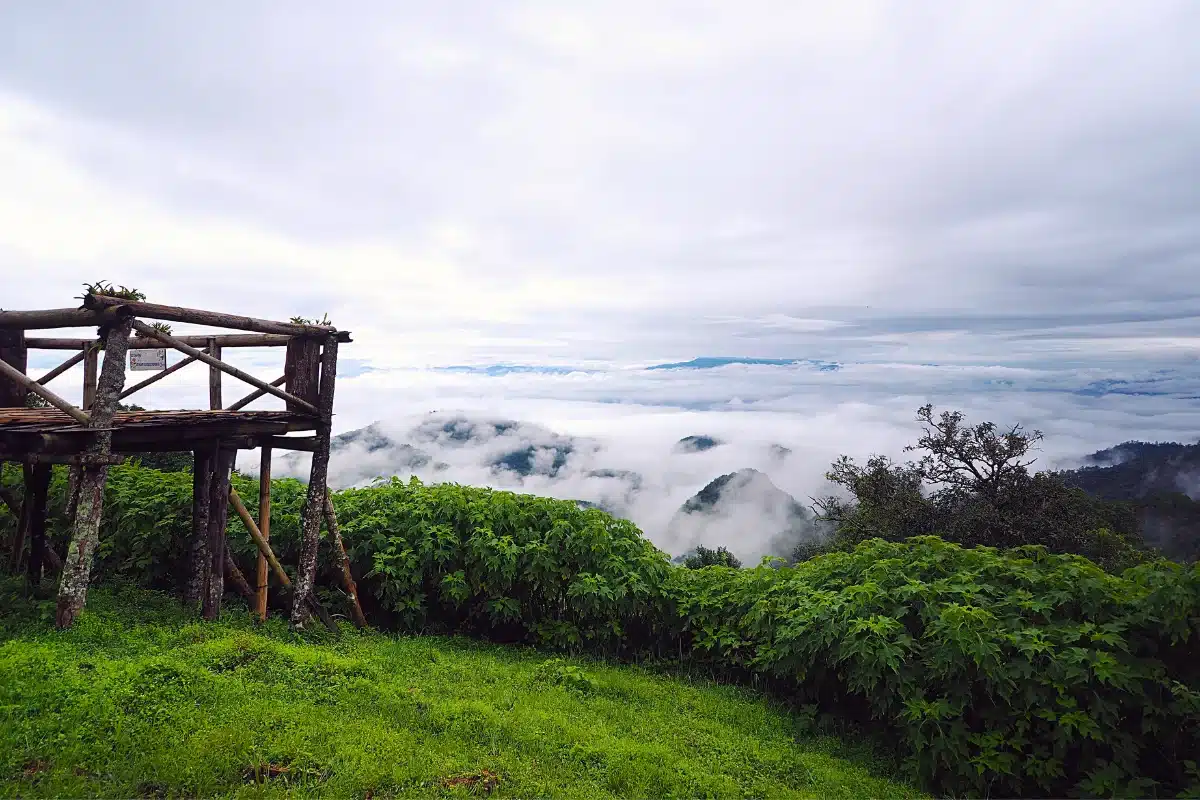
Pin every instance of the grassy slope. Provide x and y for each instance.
(137, 699)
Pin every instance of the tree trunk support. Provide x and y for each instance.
(23, 520)
(310, 522)
(218, 515)
(72, 592)
(196, 588)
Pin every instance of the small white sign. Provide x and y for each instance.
(148, 359)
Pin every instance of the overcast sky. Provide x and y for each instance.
(939, 196)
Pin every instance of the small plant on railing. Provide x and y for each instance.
(161, 327)
(106, 289)
(324, 320)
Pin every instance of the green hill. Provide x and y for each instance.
(140, 700)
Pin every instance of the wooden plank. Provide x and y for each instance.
(257, 393)
(339, 553)
(72, 591)
(310, 519)
(264, 527)
(63, 367)
(91, 368)
(158, 376)
(8, 371)
(198, 317)
(195, 590)
(214, 377)
(141, 327)
(15, 356)
(61, 458)
(141, 342)
(307, 444)
(218, 516)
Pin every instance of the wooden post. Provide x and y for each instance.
(23, 521)
(63, 367)
(218, 516)
(90, 363)
(310, 521)
(214, 377)
(237, 578)
(301, 369)
(37, 522)
(264, 526)
(196, 588)
(312, 602)
(13, 353)
(339, 553)
(72, 592)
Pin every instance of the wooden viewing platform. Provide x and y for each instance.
(96, 433)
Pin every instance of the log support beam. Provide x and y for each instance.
(314, 507)
(85, 534)
(194, 591)
(218, 516)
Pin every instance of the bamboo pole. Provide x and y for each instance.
(310, 520)
(264, 526)
(237, 578)
(72, 592)
(41, 391)
(158, 376)
(166, 338)
(263, 547)
(61, 368)
(257, 393)
(339, 553)
(199, 317)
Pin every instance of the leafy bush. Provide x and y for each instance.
(1007, 674)
(994, 672)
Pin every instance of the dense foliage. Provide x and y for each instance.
(707, 557)
(972, 486)
(1001, 673)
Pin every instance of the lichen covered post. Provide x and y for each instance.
(196, 588)
(218, 516)
(72, 591)
(314, 507)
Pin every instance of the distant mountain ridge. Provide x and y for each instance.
(1160, 481)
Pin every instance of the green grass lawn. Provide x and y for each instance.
(139, 700)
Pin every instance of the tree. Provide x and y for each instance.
(972, 485)
(707, 557)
